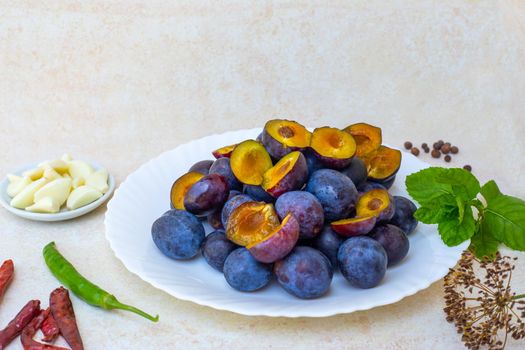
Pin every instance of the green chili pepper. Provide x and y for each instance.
(81, 287)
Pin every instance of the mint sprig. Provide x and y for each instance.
(449, 197)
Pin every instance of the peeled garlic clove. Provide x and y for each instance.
(57, 189)
(78, 181)
(98, 180)
(26, 197)
(78, 168)
(34, 174)
(45, 205)
(58, 165)
(50, 173)
(82, 196)
(17, 186)
(13, 178)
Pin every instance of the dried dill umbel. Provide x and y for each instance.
(485, 311)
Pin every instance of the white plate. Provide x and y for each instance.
(64, 213)
(144, 196)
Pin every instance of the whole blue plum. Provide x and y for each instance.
(362, 261)
(202, 167)
(216, 249)
(328, 243)
(306, 209)
(305, 273)
(258, 193)
(222, 167)
(335, 191)
(404, 214)
(244, 273)
(312, 161)
(356, 171)
(369, 185)
(178, 234)
(394, 240)
(230, 206)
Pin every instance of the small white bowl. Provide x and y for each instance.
(64, 213)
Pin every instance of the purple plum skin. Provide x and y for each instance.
(276, 149)
(356, 171)
(222, 167)
(244, 273)
(387, 183)
(362, 261)
(306, 209)
(305, 273)
(279, 244)
(404, 214)
(393, 240)
(369, 185)
(216, 248)
(206, 195)
(202, 167)
(230, 206)
(312, 161)
(258, 194)
(214, 219)
(328, 243)
(178, 234)
(335, 191)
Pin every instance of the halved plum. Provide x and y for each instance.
(278, 243)
(367, 137)
(334, 148)
(206, 195)
(251, 222)
(181, 186)
(378, 203)
(383, 163)
(289, 174)
(354, 226)
(249, 161)
(224, 152)
(281, 136)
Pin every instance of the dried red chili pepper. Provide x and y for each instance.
(6, 276)
(50, 329)
(64, 315)
(22, 319)
(30, 330)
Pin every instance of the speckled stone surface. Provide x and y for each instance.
(121, 81)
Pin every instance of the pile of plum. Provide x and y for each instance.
(295, 204)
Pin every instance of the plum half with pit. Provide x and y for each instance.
(404, 214)
(362, 261)
(244, 273)
(305, 273)
(335, 191)
(216, 248)
(394, 240)
(281, 137)
(378, 203)
(306, 209)
(178, 234)
(206, 195)
(328, 243)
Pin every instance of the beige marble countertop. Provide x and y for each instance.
(121, 81)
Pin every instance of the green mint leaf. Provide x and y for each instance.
(434, 214)
(453, 231)
(504, 216)
(483, 244)
(440, 186)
